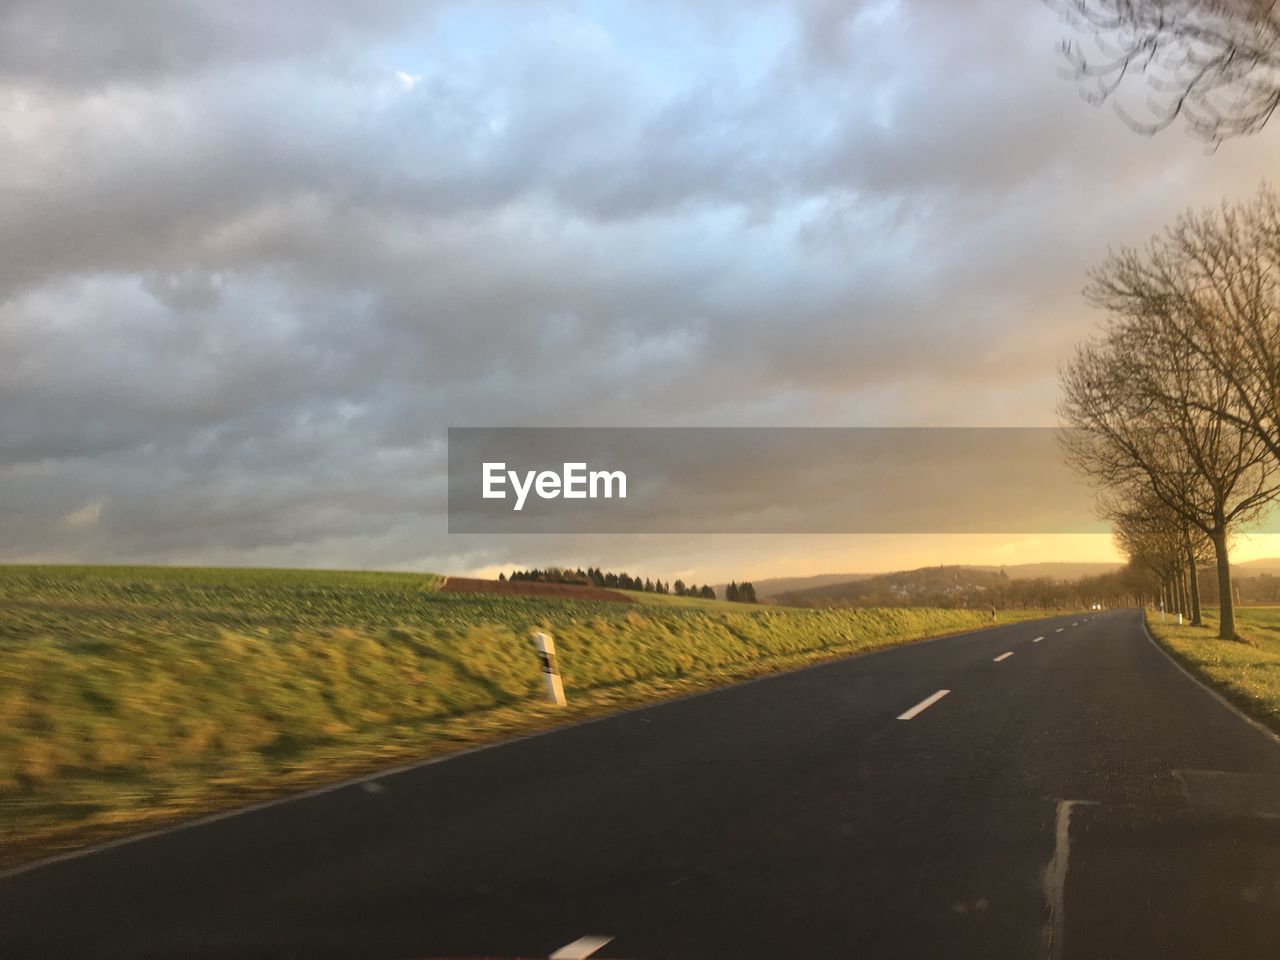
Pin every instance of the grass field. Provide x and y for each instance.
(1248, 674)
(133, 696)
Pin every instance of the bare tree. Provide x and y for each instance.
(1215, 63)
(1212, 281)
(1156, 539)
(1149, 548)
(1141, 408)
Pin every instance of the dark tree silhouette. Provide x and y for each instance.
(1215, 63)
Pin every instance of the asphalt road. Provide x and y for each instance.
(1081, 798)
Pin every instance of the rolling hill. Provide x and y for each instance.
(777, 586)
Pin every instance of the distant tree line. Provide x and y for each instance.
(693, 590)
(593, 576)
(735, 592)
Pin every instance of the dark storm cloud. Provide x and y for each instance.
(259, 256)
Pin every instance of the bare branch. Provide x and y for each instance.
(1214, 63)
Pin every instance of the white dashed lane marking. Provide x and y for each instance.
(923, 705)
(580, 949)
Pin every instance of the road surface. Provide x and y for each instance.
(1072, 796)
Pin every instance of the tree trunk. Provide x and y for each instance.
(1194, 580)
(1226, 604)
(1180, 589)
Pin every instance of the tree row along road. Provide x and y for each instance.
(1054, 788)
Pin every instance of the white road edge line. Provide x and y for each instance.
(1037, 639)
(1203, 685)
(923, 705)
(1003, 656)
(1076, 624)
(580, 949)
(1059, 630)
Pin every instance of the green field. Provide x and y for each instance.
(1248, 673)
(133, 696)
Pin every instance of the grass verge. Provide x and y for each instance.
(1247, 674)
(135, 697)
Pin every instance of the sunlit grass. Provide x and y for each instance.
(134, 695)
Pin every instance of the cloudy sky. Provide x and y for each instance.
(259, 256)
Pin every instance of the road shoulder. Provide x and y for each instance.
(1244, 678)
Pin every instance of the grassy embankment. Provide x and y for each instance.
(131, 697)
(1247, 674)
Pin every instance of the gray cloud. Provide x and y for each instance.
(78, 44)
(258, 257)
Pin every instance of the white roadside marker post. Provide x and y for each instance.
(550, 670)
